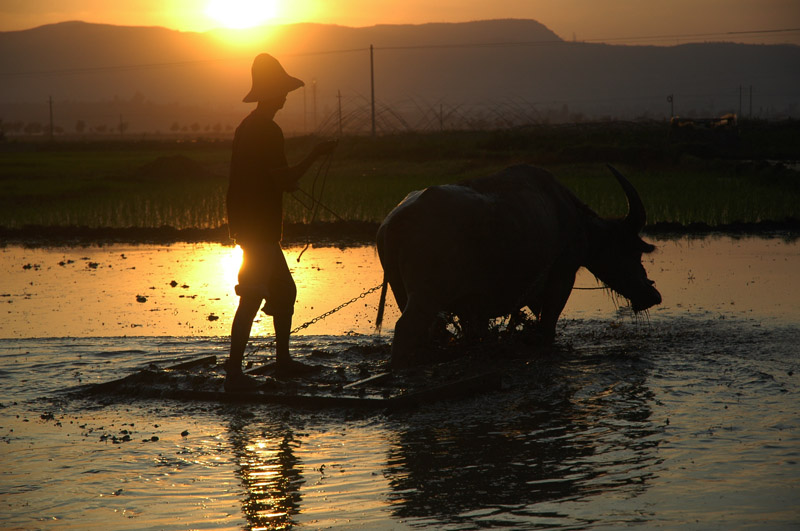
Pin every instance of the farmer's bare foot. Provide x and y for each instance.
(238, 382)
(241, 383)
(290, 367)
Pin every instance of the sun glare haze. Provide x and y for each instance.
(241, 14)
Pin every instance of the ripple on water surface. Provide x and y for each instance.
(688, 418)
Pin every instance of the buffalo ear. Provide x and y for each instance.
(645, 247)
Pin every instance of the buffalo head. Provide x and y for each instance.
(615, 255)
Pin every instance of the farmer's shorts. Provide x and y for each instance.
(264, 274)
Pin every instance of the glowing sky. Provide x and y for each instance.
(658, 20)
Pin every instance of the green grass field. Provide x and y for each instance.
(697, 178)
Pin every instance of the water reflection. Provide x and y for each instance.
(667, 425)
(569, 443)
(270, 474)
(187, 290)
(566, 430)
(177, 290)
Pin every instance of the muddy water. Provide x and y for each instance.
(178, 290)
(187, 290)
(688, 418)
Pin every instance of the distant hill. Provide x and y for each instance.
(496, 72)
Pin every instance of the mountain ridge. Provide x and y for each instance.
(491, 72)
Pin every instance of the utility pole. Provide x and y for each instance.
(372, 84)
(750, 114)
(51, 119)
(740, 101)
(339, 96)
(314, 95)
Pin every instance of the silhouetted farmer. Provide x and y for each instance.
(259, 177)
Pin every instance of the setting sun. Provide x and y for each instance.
(240, 14)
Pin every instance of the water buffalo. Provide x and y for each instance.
(490, 246)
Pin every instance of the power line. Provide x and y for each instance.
(501, 44)
(117, 68)
(147, 66)
(696, 35)
(504, 44)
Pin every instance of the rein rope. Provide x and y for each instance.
(316, 203)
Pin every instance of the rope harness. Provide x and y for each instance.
(320, 317)
(343, 305)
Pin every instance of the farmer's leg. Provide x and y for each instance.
(251, 291)
(283, 326)
(240, 331)
(281, 296)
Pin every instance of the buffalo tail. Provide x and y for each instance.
(381, 304)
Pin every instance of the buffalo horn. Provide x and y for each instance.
(636, 216)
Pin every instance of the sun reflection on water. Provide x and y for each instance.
(231, 263)
(271, 477)
(188, 289)
(616, 424)
(177, 290)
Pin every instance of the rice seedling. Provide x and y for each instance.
(184, 185)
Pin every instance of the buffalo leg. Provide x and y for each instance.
(411, 331)
(553, 300)
(398, 289)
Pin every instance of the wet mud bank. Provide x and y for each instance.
(357, 376)
(336, 233)
(788, 228)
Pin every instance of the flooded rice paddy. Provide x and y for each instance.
(686, 418)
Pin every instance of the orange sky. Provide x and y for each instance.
(634, 21)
